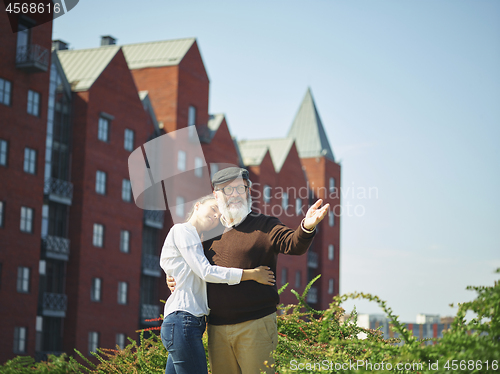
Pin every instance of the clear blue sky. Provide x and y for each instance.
(409, 94)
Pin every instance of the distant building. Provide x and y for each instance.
(78, 259)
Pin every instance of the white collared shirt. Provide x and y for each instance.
(182, 257)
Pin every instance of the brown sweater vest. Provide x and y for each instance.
(254, 242)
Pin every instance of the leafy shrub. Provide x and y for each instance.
(328, 344)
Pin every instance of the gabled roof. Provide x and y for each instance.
(253, 151)
(156, 54)
(82, 67)
(308, 131)
(214, 122)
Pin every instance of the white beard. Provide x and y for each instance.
(233, 215)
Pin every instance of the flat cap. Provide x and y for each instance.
(228, 174)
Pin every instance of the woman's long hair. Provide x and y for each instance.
(201, 200)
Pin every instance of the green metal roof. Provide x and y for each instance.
(253, 151)
(82, 67)
(156, 54)
(308, 131)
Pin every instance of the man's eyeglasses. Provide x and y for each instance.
(228, 190)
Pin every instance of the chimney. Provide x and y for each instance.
(107, 40)
(59, 45)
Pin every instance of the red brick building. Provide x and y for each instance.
(78, 259)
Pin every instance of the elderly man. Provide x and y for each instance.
(242, 331)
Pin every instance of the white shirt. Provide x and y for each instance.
(182, 257)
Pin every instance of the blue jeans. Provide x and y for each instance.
(181, 334)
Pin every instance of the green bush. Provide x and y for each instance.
(320, 341)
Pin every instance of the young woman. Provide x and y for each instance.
(185, 310)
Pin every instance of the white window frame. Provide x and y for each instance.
(33, 106)
(267, 190)
(126, 190)
(5, 91)
(179, 207)
(4, 152)
(128, 142)
(122, 293)
(120, 340)
(29, 164)
(284, 276)
(96, 290)
(214, 168)
(100, 182)
(331, 286)
(23, 279)
(198, 167)
(298, 207)
(332, 184)
(93, 341)
(2, 209)
(298, 279)
(20, 338)
(181, 160)
(125, 241)
(103, 127)
(331, 252)
(284, 201)
(98, 235)
(26, 224)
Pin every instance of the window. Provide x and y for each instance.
(284, 201)
(331, 286)
(95, 291)
(23, 279)
(332, 185)
(192, 116)
(100, 182)
(181, 161)
(298, 207)
(198, 165)
(129, 140)
(93, 341)
(214, 168)
(179, 209)
(120, 340)
(298, 279)
(29, 161)
(20, 334)
(4, 149)
(331, 253)
(23, 39)
(122, 292)
(331, 218)
(2, 208)
(26, 219)
(267, 194)
(5, 90)
(98, 236)
(126, 190)
(125, 241)
(192, 120)
(103, 129)
(284, 276)
(33, 103)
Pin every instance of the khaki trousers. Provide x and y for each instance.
(244, 347)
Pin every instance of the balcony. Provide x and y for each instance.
(54, 304)
(58, 190)
(56, 247)
(312, 295)
(32, 58)
(149, 311)
(151, 265)
(154, 218)
(312, 260)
